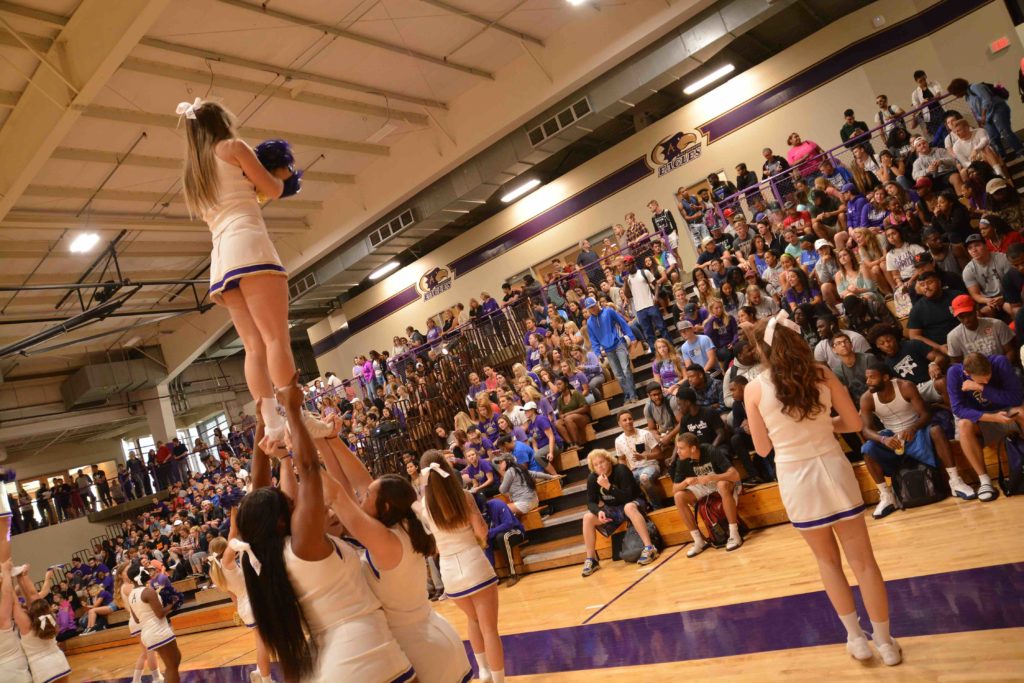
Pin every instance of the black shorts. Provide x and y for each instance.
(616, 515)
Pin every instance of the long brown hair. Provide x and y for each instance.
(444, 496)
(212, 124)
(395, 497)
(119, 579)
(42, 628)
(792, 366)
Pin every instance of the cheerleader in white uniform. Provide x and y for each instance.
(299, 578)
(227, 576)
(38, 628)
(469, 579)
(221, 179)
(122, 593)
(156, 633)
(13, 664)
(789, 409)
(395, 546)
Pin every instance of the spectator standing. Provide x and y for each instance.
(84, 484)
(991, 110)
(930, 92)
(606, 329)
(852, 129)
(639, 289)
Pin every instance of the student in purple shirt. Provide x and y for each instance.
(543, 438)
(478, 474)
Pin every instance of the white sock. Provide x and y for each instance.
(498, 676)
(734, 531)
(271, 418)
(481, 665)
(852, 624)
(984, 479)
(137, 676)
(883, 488)
(953, 474)
(880, 632)
(698, 538)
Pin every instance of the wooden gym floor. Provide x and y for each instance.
(956, 583)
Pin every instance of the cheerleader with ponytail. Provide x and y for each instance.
(38, 628)
(299, 579)
(222, 176)
(147, 610)
(13, 664)
(395, 548)
(122, 592)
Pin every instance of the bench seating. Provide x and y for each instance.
(192, 621)
(549, 489)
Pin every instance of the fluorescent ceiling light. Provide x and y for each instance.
(84, 242)
(384, 270)
(576, 3)
(515, 194)
(720, 72)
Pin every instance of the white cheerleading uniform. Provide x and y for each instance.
(45, 658)
(241, 244)
(816, 482)
(465, 569)
(236, 584)
(133, 626)
(430, 642)
(346, 620)
(156, 631)
(13, 664)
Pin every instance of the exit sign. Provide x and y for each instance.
(999, 44)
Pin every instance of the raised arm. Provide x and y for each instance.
(309, 517)
(346, 463)
(384, 547)
(260, 467)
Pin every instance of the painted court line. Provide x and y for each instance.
(630, 586)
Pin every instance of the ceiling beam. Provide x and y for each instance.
(297, 74)
(102, 157)
(136, 249)
(57, 220)
(497, 26)
(140, 196)
(358, 37)
(33, 427)
(171, 121)
(88, 50)
(282, 91)
(32, 13)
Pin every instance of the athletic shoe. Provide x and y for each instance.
(962, 490)
(696, 549)
(886, 505)
(18, 570)
(590, 566)
(733, 544)
(318, 429)
(255, 677)
(891, 652)
(649, 554)
(88, 631)
(859, 649)
(987, 493)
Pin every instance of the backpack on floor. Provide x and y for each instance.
(1012, 483)
(711, 512)
(916, 484)
(633, 545)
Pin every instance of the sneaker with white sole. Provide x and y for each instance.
(962, 490)
(859, 648)
(886, 505)
(590, 565)
(318, 428)
(733, 544)
(648, 555)
(696, 549)
(891, 652)
(987, 493)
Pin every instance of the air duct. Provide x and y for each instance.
(94, 384)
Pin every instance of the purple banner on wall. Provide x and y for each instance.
(365, 319)
(838, 63)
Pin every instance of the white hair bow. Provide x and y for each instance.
(433, 467)
(46, 618)
(240, 546)
(138, 579)
(188, 110)
(783, 318)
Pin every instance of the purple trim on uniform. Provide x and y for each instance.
(567, 208)
(161, 643)
(468, 677)
(831, 519)
(236, 273)
(337, 550)
(6, 514)
(250, 625)
(57, 677)
(838, 63)
(407, 676)
(474, 589)
(369, 560)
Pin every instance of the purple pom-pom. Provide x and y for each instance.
(7, 475)
(275, 154)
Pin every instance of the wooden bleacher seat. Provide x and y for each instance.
(186, 585)
(599, 409)
(567, 459)
(611, 388)
(549, 489)
(532, 519)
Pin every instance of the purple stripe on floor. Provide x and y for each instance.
(967, 600)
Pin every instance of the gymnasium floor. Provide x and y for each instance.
(956, 584)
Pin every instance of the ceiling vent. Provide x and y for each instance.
(301, 286)
(390, 229)
(560, 121)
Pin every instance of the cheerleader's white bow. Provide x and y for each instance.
(240, 546)
(433, 467)
(780, 318)
(46, 618)
(188, 110)
(138, 579)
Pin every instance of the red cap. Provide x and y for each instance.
(627, 259)
(963, 304)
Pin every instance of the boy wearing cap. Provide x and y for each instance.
(974, 334)
(984, 276)
(606, 329)
(697, 349)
